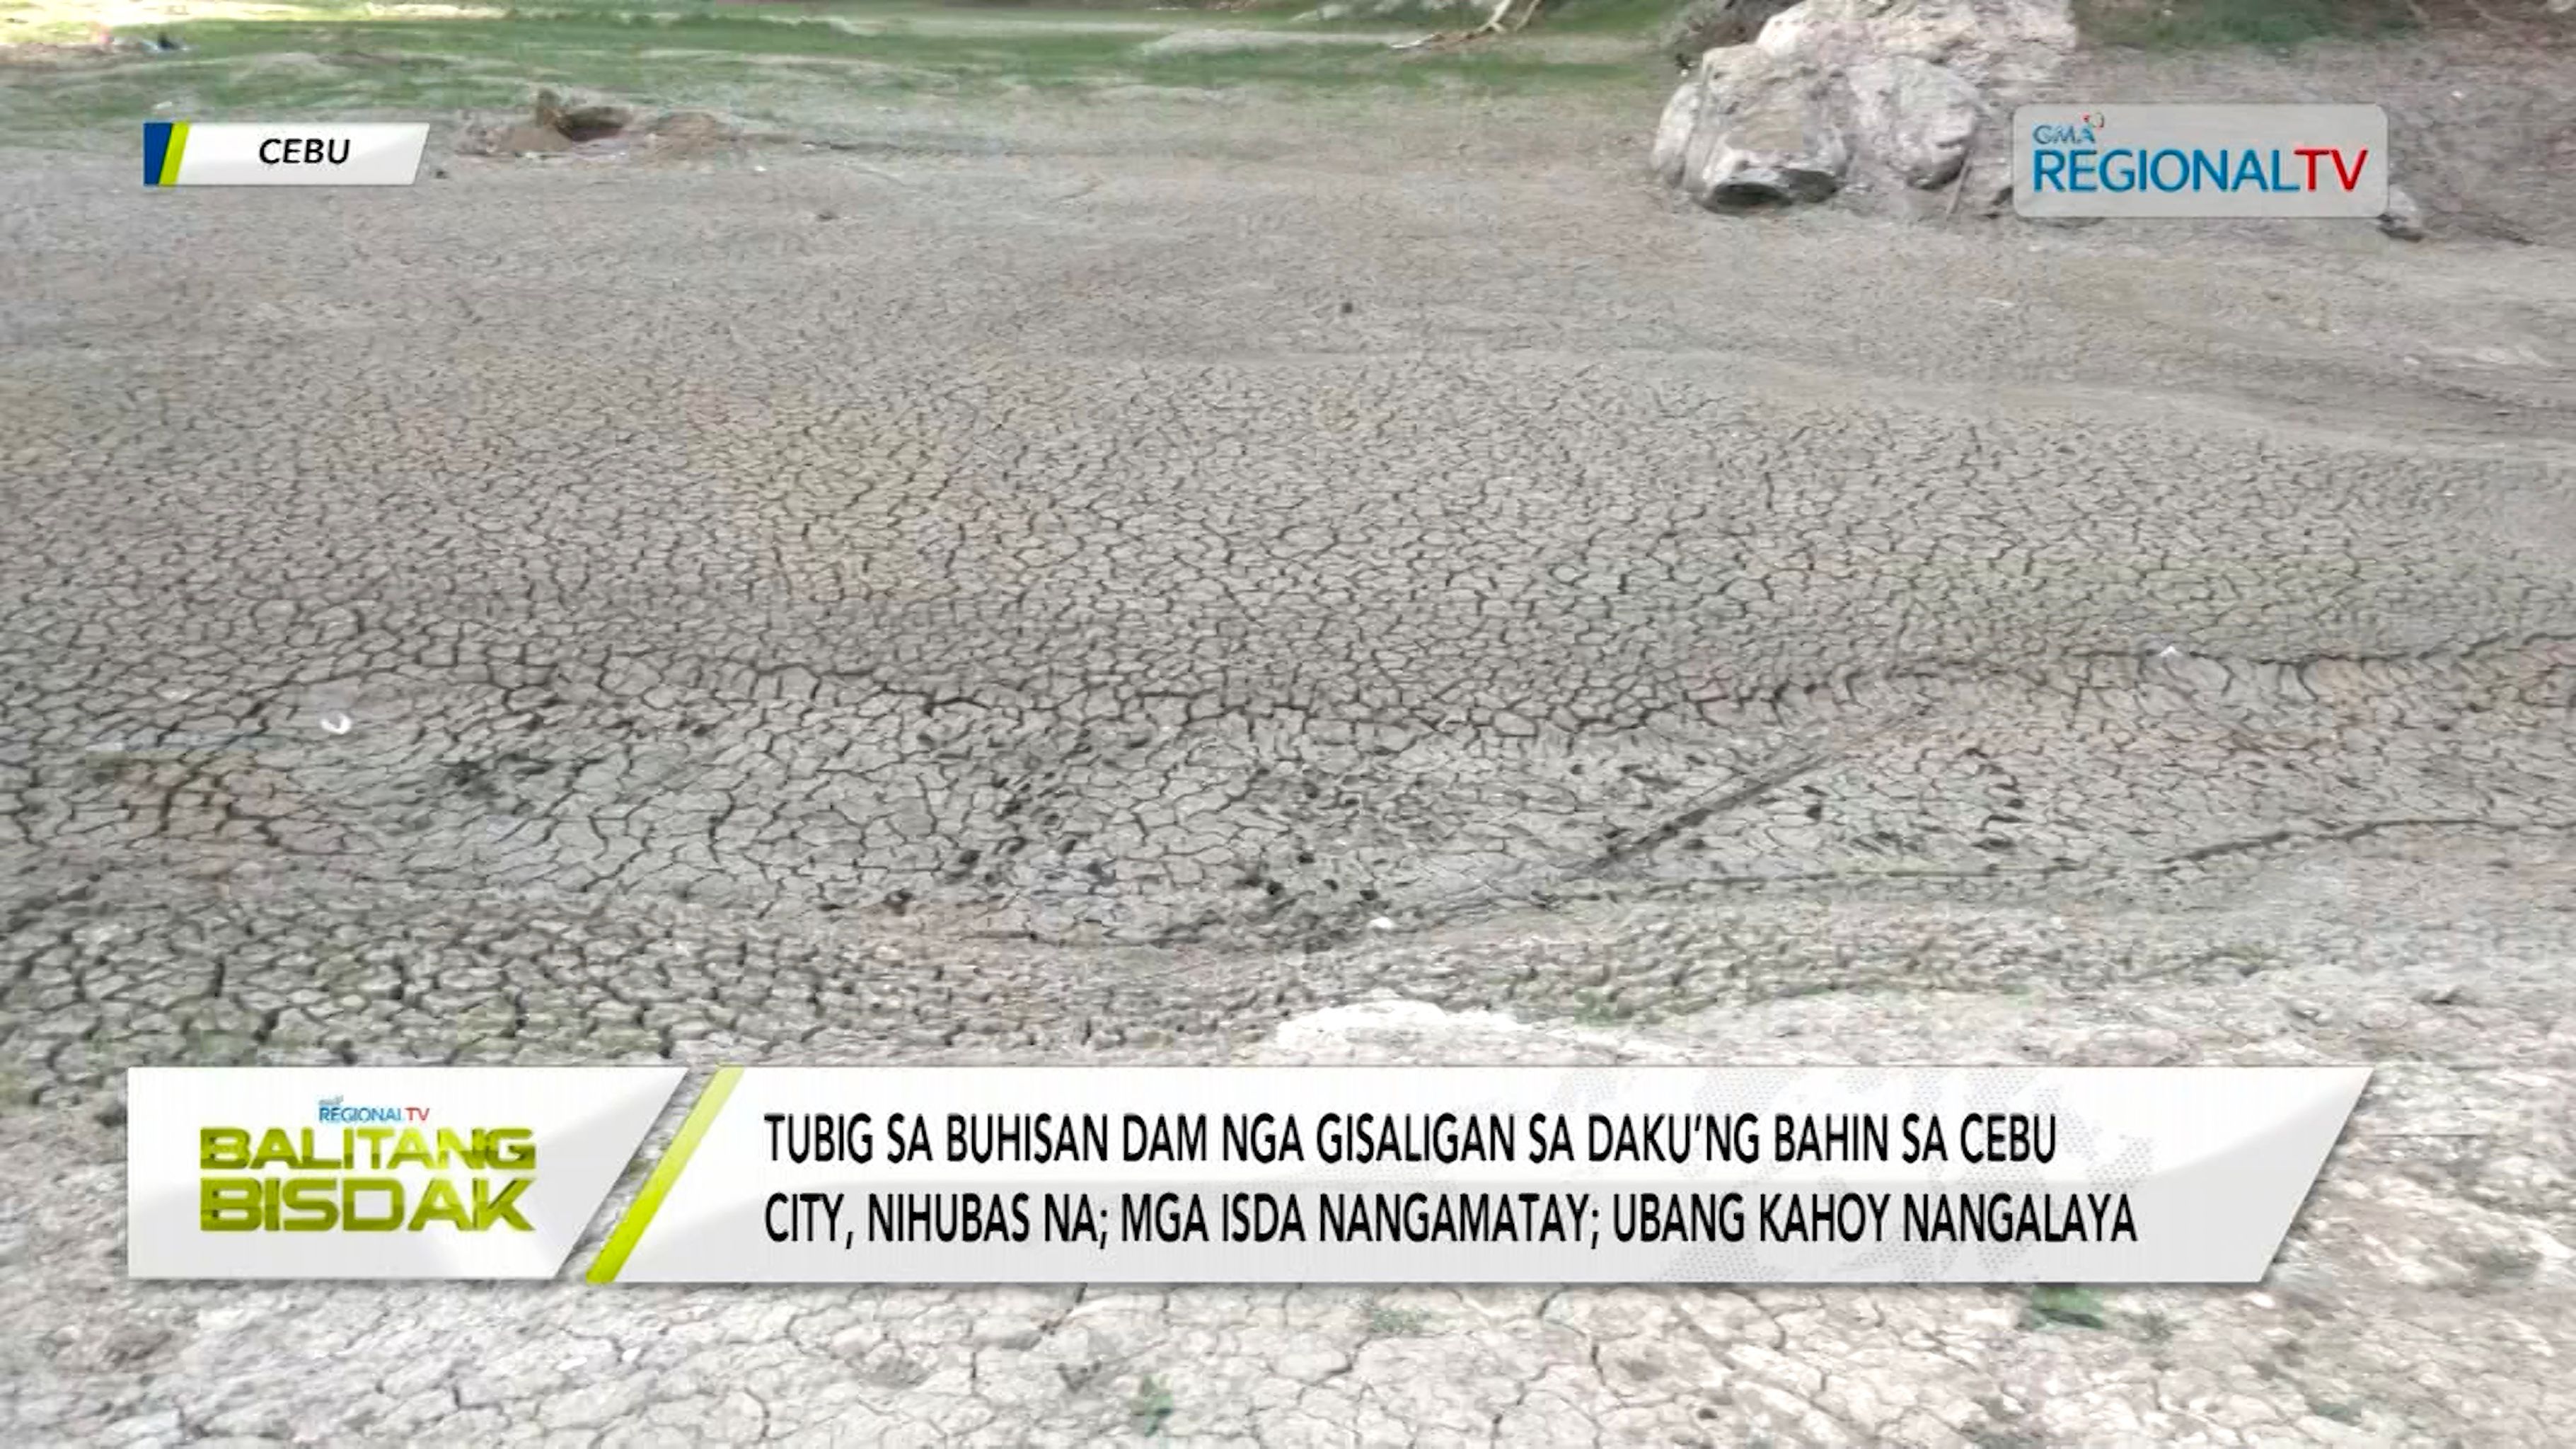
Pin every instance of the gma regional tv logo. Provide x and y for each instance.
(384, 1169)
(2210, 161)
(337, 1109)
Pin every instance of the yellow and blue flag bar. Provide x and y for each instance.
(164, 143)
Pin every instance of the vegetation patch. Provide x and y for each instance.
(2064, 1306)
(1389, 1322)
(237, 60)
(1151, 1409)
(2201, 24)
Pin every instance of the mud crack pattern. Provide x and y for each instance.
(1123, 615)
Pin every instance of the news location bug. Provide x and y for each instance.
(305, 153)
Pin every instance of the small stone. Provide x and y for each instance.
(2403, 219)
(1381, 923)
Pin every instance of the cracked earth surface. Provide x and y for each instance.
(1125, 592)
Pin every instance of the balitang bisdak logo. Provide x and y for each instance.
(387, 1169)
(2291, 161)
(395, 1172)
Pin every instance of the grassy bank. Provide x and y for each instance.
(244, 61)
(2211, 24)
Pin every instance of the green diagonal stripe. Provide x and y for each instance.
(170, 158)
(639, 1216)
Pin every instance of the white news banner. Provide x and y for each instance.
(2204, 161)
(309, 153)
(1482, 1175)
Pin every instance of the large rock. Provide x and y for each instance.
(1900, 95)
(1756, 130)
(1706, 25)
(1914, 118)
(1995, 44)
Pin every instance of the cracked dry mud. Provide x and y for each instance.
(1138, 586)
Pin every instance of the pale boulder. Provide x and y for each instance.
(1911, 92)
(1913, 118)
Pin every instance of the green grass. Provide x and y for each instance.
(2064, 1306)
(1152, 1407)
(248, 61)
(2204, 24)
(1605, 17)
(1387, 1322)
